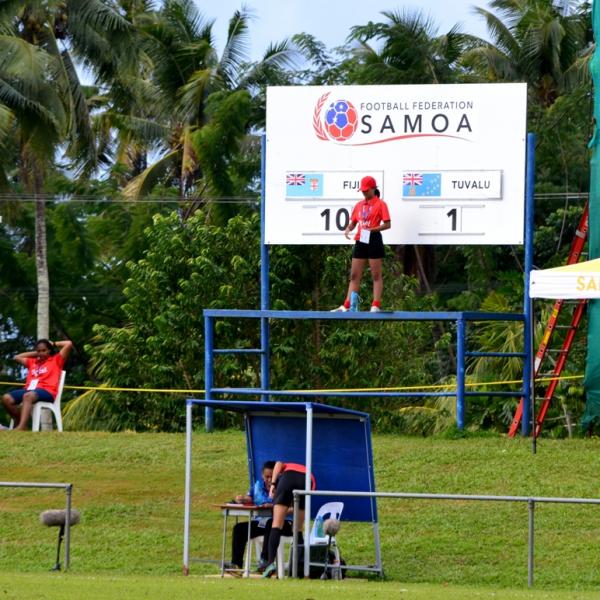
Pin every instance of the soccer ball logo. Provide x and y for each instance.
(341, 120)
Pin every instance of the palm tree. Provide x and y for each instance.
(203, 102)
(532, 41)
(43, 101)
(411, 51)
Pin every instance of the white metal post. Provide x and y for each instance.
(308, 487)
(188, 488)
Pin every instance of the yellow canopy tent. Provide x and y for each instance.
(580, 280)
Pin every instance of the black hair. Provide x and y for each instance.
(377, 192)
(270, 464)
(46, 343)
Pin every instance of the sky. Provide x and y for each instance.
(330, 20)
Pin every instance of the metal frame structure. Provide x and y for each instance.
(310, 412)
(460, 318)
(264, 315)
(68, 487)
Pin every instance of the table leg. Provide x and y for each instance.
(225, 513)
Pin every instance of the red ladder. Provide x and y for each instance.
(574, 255)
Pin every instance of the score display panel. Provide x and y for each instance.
(449, 161)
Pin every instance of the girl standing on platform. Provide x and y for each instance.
(372, 217)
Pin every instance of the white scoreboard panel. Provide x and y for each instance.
(449, 161)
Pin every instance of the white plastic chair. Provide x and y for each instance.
(54, 407)
(329, 510)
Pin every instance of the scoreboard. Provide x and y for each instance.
(449, 161)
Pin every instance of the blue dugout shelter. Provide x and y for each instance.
(334, 443)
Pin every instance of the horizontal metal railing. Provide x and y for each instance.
(530, 500)
(68, 487)
(460, 319)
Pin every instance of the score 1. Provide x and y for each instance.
(450, 219)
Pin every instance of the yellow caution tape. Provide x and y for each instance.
(383, 389)
(114, 389)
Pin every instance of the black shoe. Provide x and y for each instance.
(270, 571)
(229, 566)
(262, 565)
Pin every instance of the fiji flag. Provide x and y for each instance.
(303, 185)
(421, 185)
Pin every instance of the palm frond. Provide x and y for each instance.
(7, 118)
(414, 22)
(9, 10)
(21, 104)
(191, 96)
(150, 131)
(145, 181)
(184, 16)
(22, 61)
(83, 146)
(98, 14)
(312, 49)
(500, 33)
(236, 47)
(88, 413)
(278, 57)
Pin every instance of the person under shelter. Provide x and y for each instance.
(258, 494)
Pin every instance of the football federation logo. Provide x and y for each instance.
(382, 122)
(339, 122)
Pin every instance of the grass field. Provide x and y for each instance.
(129, 488)
(138, 587)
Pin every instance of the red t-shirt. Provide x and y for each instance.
(370, 213)
(44, 375)
(300, 469)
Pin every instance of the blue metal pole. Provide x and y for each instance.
(528, 372)
(264, 279)
(460, 372)
(209, 332)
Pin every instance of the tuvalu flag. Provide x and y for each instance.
(303, 185)
(421, 185)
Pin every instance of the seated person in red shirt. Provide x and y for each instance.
(44, 366)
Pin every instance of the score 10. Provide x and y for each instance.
(334, 218)
(326, 221)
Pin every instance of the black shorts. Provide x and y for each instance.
(374, 249)
(287, 482)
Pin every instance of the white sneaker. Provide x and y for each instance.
(341, 308)
(375, 309)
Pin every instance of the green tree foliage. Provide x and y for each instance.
(203, 101)
(532, 41)
(411, 50)
(191, 265)
(188, 266)
(172, 124)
